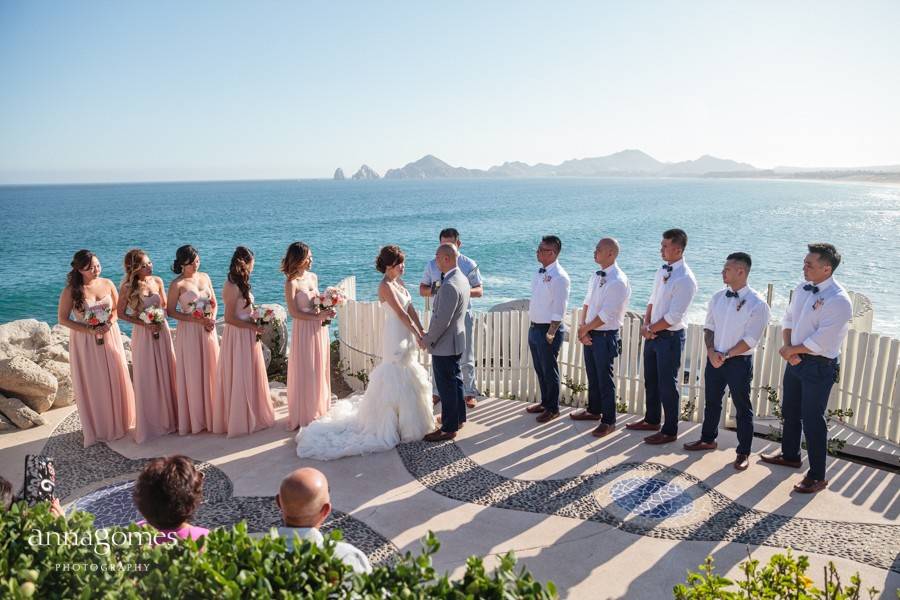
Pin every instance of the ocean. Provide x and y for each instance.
(501, 222)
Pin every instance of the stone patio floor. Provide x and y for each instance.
(610, 518)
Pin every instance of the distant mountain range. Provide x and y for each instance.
(627, 163)
(630, 163)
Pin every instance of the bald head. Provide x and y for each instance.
(446, 257)
(606, 252)
(303, 498)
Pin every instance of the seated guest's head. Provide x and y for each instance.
(303, 498)
(6, 494)
(168, 491)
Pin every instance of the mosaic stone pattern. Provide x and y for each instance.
(90, 473)
(706, 516)
(651, 497)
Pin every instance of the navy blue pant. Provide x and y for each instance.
(450, 385)
(805, 390)
(662, 359)
(544, 356)
(598, 362)
(736, 373)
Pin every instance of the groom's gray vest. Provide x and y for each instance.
(447, 330)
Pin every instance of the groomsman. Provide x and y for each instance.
(735, 321)
(431, 280)
(663, 332)
(815, 325)
(602, 316)
(549, 297)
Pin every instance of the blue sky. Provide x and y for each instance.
(119, 91)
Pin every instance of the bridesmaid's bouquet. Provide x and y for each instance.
(330, 299)
(200, 308)
(153, 315)
(263, 316)
(97, 316)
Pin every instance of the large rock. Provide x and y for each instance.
(59, 335)
(20, 415)
(26, 380)
(23, 337)
(5, 423)
(278, 393)
(65, 395)
(54, 352)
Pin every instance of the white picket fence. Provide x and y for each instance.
(869, 383)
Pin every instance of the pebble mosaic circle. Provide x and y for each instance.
(110, 505)
(650, 497)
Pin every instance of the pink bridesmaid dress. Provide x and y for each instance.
(196, 360)
(242, 390)
(103, 391)
(309, 366)
(153, 368)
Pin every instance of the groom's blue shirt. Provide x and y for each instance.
(467, 267)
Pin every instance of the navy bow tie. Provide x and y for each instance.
(542, 270)
(730, 294)
(601, 273)
(442, 276)
(667, 268)
(811, 288)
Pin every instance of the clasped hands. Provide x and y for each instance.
(790, 354)
(646, 333)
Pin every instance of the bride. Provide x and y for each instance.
(396, 407)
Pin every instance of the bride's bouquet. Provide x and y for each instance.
(330, 299)
(263, 316)
(97, 316)
(153, 315)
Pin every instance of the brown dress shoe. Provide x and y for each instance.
(547, 416)
(535, 408)
(701, 445)
(779, 459)
(811, 486)
(583, 415)
(660, 438)
(470, 402)
(643, 426)
(603, 430)
(741, 462)
(435, 398)
(439, 436)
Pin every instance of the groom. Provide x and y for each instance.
(446, 340)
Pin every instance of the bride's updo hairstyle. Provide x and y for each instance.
(185, 255)
(390, 256)
(294, 259)
(239, 271)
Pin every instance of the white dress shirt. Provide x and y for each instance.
(820, 321)
(672, 295)
(467, 267)
(607, 298)
(734, 319)
(549, 294)
(348, 553)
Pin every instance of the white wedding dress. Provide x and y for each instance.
(396, 407)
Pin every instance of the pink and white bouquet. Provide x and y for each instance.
(330, 299)
(153, 315)
(200, 308)
(263, 316)
(97, 316)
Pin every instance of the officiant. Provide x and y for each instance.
(431, 281)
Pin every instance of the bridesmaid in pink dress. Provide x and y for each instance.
(103, 391)
(192, 302)
(309, 366)
(152, 354)
(242, 390)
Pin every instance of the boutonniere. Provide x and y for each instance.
(741, 304)
(547, 278)
(601, 282)
(819, 303)
(666, 277)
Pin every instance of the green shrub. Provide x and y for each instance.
(230, 564)
(784, 577)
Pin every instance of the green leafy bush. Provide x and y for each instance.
(230, 564)
(783, 577)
